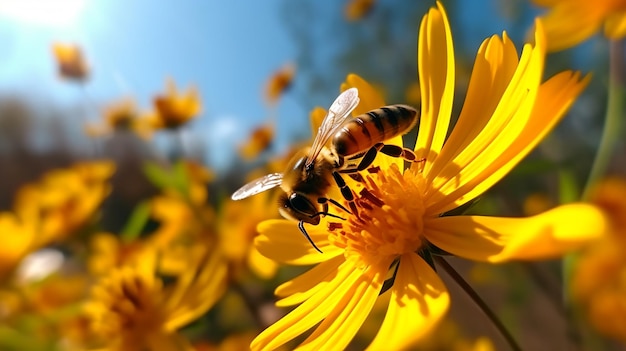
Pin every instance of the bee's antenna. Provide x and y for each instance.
(301, 227)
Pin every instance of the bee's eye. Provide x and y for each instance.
(302, 204)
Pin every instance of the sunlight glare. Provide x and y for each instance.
(51, 13)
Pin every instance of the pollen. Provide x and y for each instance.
(389, 221)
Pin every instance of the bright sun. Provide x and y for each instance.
(50, 13)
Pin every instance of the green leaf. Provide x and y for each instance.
(158, 175)
(136, 222)
(180, 178)
(569, 190)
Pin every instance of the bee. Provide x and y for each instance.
(353, 146)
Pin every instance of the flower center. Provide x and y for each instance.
(124, 305)
(389, 221)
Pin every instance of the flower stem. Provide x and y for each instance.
(613, 123)
(478, 301)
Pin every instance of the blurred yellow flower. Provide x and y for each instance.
(259, 141)
(279, 82)
(413, 94)
(236, 227)
(64, 200)
(70, 61)
(536, 203)
(109, 252)
(599, 273)
(401, 213)
(174, 110)
(357, 9)
(16, 240)
(58, 205)
(236, 342)
(184, 211)
(120, 116)
(570, 22)
(133, 309)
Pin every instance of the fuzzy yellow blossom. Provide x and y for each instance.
(279, 82)
(120, 116)
(133, 309)
(401, 218)
(599, 274)
(109, 252)
(236, 227)
(173, 109)
(260, 140)
(52, 209)
(70, 61)
(64, 200)
(570, 22)
(357, 9)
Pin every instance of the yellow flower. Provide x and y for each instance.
(120, 116)
(259, 141)
(413, 94)
(70, 61)
(109, 252)
(65, 199)
(183, 212)
(570, 22)
(599, 273)
(133, 309)
(279, 82)
(357, 9)
(173, 110)
(536, 203)
(58, 205)
(16, 240)
(236, 227)
(401, 218)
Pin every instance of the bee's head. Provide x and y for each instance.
(298, 206)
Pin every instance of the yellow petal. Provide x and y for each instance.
(572, 22)
(309, 313)
(419, 300)
(282, 241)
(436, 71)
(495, 64)
(307, 284)
(347, 317)
(497, 239)
(553, 100)
(615, 25)
(261, 265)
(197, 290)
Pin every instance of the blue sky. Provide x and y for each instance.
(227, 48)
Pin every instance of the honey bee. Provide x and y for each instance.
(353, 145)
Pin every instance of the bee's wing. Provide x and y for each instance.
(337, 114)
(258, 185)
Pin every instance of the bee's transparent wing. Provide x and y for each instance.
(337, 114)
(258, 185)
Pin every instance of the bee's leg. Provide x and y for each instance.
(301, 227)
(324, 202)
(346, 192)
(389, 150)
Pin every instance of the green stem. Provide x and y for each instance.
(613, 129)
(613, 123)
(478, 301)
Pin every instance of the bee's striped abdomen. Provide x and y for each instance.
(376, 126)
